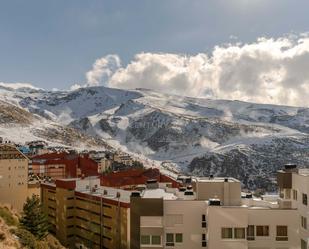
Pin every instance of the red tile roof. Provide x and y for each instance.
(135, 177)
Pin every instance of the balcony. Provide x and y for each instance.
(151, 221)
(285, 204)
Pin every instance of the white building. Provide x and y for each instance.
(294, 192)
(214, 214)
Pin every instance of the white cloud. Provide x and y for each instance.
(267, 71)
(102, 69)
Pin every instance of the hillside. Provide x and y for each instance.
(200, 136)
(12, 237)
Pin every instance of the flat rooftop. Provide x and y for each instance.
(214, 179)
(303, 172)
(108, 193)
(158, 193)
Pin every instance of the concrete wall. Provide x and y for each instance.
(228, 192)
(300, 183)
(191, 227)
(273, 218)
(226, 217)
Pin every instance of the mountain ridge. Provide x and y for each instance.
(194, 135)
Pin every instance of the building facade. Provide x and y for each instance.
(209, 212)
(63, 165)
(212, 216)
(294, 191)
(84, 215)
(13, 176)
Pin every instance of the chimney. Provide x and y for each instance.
(152, 184)
(135, 194)
(290, 167)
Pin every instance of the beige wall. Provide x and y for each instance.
(228, 192)
(191, 227)
(34, 189)
(272, 218)
(300, 183)
(226, 217)
(14, 182)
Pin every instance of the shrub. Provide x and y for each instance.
(26, 238)
(2, 236)
(8, 217)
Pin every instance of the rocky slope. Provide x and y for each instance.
(200, 136)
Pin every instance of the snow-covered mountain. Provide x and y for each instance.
(202, 136)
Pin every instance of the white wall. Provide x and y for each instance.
(191, 228)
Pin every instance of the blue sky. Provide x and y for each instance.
(52, 44)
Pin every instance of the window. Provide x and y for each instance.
(303, 244)
(239, 233)
(178, 237)
(250, 232)
(156, 240)
(203, 236)
(282, 233)
(204, 223)
(170, 239)
(226, 233)
(287, 194)
(294, 194)
(204, 242)
(305, 200)
(303, 222)
(145, 239)
(262, 230)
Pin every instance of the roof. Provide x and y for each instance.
(8, 151)
(135, 177)
(158, 193)
(214, 179)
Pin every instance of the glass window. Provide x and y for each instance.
(282, 231)
(178, 237)
(250, 231)
(169, 237)
(156, 240)
(262, 230)
(294, 194)
(226, 233)
(303, 244)
(239, 233)
(203, 236)
(203, 217)
(304, 222)
(305, 201)
(145, 239)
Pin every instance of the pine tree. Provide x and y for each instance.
(33, 218)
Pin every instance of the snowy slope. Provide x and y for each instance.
(204, 136)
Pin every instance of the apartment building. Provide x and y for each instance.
(63, 165)
(13, 176)
(83, 214)
(294, 191)
(206, 212)
(212, 215)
